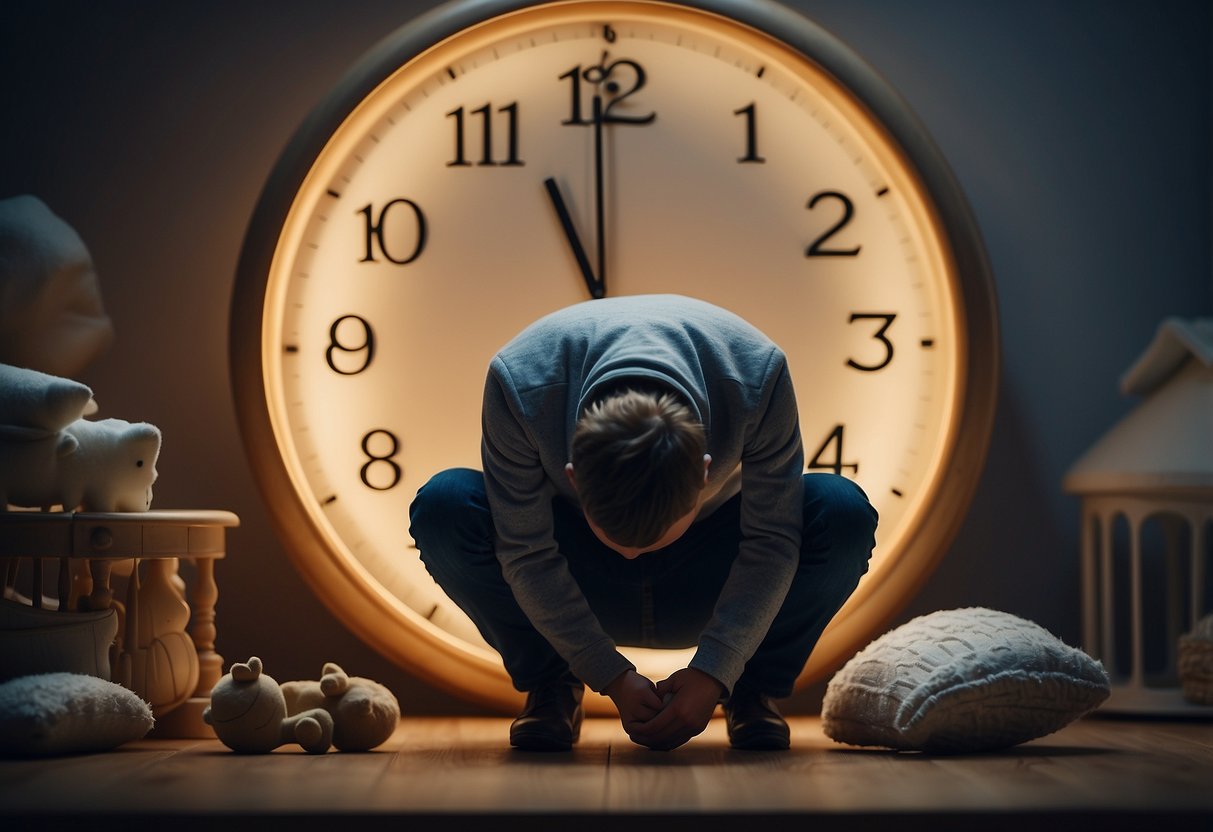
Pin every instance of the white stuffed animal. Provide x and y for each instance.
(49, 456)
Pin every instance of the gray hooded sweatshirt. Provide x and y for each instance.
(737, 383)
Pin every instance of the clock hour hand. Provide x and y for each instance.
(597, 289)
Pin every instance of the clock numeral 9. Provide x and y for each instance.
(377, 232)
(829, 455)
(340, 355)
(817, 247)
(879, 335)
(486, 143)
(380, 472)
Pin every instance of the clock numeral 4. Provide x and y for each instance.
(879, 335)
(407, 226)
(342, 356)
(381, 472)
(818, 247)
(829, 455)
(486, 136)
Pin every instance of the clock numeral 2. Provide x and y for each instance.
(380, 472)
(486, 142)
(829, 456)
(817, 248)
(377, 232)
(341, 356)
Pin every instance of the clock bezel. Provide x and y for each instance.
(477, 674)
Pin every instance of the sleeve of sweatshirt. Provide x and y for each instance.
(520, 497)
(772, 509)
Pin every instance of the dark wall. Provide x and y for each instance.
(1080, 131)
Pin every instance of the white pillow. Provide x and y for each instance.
(961, 680)
(68, 713)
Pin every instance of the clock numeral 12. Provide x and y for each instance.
(486, 143)
(829, 456)
(377, 462)
(604, 76)
(376, 232)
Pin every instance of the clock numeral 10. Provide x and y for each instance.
(486, 136)
(380, 472)
(829, 455)
(409, 226)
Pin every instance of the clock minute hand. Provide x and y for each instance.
(570, 232)
(599, 214)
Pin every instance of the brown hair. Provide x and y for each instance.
(638, 459)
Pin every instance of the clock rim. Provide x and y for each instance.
(415, 647)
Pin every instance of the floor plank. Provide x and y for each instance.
(1097, 773)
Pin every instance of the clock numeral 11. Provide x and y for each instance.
(486, 136)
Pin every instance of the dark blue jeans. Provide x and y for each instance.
(660, 599)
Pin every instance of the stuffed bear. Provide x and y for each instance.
(106, 465)
(364, 712)
(248, 713)
(34, 405)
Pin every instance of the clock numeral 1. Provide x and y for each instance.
(829, 456)
(486, 142)
(879, 335)
(751, 135)
(380, 472)
(818, 248)
(341, 356)
(377, 232)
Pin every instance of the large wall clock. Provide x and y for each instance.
(496, 160)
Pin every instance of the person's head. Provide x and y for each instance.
(639, 467)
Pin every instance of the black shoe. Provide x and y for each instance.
(551, 720)
(754, 723)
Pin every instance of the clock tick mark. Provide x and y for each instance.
(927, 343)
(451, 73)
(329, 500)
(897, 492)
(761, 71)
(292, 349)
(333, 194)
(430, 616)
(882, 192)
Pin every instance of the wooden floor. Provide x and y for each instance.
(1096, 774)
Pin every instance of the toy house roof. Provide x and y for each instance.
(1165, 444)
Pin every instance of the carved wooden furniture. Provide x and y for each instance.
(165, 648)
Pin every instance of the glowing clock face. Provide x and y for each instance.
(561, 152)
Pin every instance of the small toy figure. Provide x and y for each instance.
(364, 712)
(248, 713)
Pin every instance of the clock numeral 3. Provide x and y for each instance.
(377, 232)
(817, 247)
(829, 455)
(380, 472)
(879, 335)
(486, 142)
(341, 356)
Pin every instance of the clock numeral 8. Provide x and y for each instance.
(334, 354)
(376, 234)
(377, 463)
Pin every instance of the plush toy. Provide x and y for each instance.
(50, 456)
(364, 712)
(248, 713)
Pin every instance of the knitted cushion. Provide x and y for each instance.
(68, 713)
(961, 680)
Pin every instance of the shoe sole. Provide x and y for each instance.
(538, 740)
(773, 740)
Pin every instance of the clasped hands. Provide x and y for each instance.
(665, 715)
